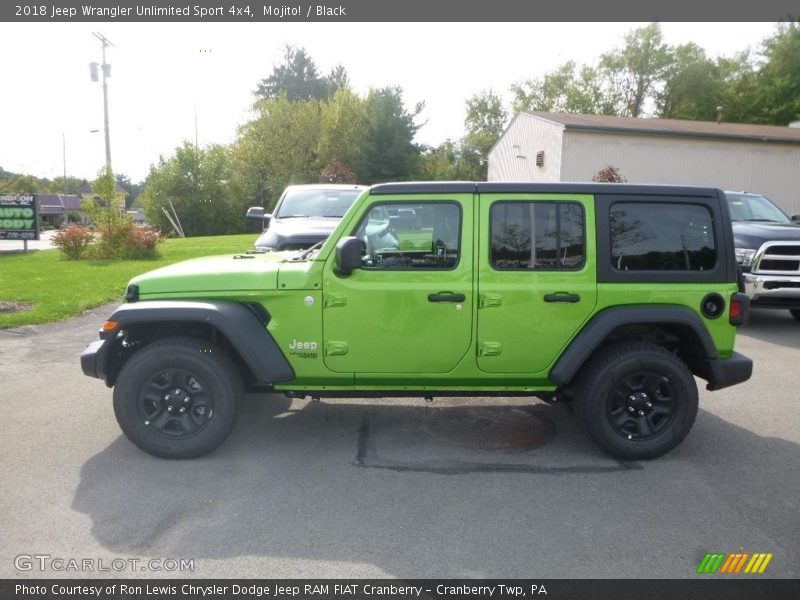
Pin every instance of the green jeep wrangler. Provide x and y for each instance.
(614, 296)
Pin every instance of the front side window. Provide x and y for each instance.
(537, 236)
(661, 237)
(406, 236)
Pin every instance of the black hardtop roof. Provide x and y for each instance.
(502, 187)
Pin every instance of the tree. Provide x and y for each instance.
(280, 146)
(443, 163)
(337, 172)
(485, 122)
(565, 89)
(133, 189)
(299, 78)
(388, 149)
(343, 121)
(693, 86)
(195, 181)
(609, 174)
(633, 74)
(106, 210)
(778, 80)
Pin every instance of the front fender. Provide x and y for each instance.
(244, 326)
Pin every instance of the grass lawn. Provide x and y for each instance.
(59, 288)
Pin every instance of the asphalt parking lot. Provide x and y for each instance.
(401, 489)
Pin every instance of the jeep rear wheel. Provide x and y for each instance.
(637, 400)
(177, 398)
(795, 313)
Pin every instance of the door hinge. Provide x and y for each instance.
(489, 300)
(335, 348)
(334, 300)
(489, 349)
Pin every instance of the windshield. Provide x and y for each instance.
(752, 207)
(316, 203)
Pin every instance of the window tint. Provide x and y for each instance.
(420, 235)
(661, 237)
(537, 235)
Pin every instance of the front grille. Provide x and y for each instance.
(770, 264)
(784, 250)
(778, 258)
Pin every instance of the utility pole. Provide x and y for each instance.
(106, 74)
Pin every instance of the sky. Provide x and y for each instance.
(163, 74)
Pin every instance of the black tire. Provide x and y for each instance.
(795, 313)
(177, 398)
(636, 400)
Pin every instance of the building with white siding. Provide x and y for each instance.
(540, 146)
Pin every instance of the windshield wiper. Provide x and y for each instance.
(766, 221)
(307, 252)
(292, 217)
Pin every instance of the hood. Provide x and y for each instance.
(751, 234)
(296, 232)
(240, 272)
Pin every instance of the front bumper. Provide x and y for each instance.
(775, 291)
(93, 359)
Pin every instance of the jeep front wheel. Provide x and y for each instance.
(795, 313)
(177, 398)
(637, 400)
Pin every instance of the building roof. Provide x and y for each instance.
(671, 127)
(56, 204)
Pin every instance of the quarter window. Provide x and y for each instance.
(661, 237)
(406, 236)
(537, 235)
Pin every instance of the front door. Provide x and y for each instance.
(408, 309)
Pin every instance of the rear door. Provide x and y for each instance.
(536, 278)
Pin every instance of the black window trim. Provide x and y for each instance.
(558, 204)
(724, 270)
(388, 202)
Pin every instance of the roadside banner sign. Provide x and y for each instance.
(19, 217)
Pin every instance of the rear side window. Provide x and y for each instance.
(537, 236)
(661, 237)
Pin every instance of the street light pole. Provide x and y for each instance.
(106, 73)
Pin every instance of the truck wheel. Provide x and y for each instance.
(637, 400)
(177, 398)
(795, 313)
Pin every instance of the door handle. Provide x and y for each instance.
(446, 297)
(562, 297)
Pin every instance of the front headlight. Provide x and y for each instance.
(744, 256)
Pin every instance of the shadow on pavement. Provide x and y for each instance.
(393, 487)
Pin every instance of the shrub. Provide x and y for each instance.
(141, 242)
(609, 174)
(73, 241)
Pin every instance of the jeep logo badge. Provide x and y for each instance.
(298, 345)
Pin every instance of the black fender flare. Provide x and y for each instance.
(601, 325)
(244, 326)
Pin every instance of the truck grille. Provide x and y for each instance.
(778, 258)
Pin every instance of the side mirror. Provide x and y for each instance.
(348, 255)
(257, 216)
(796, 219)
